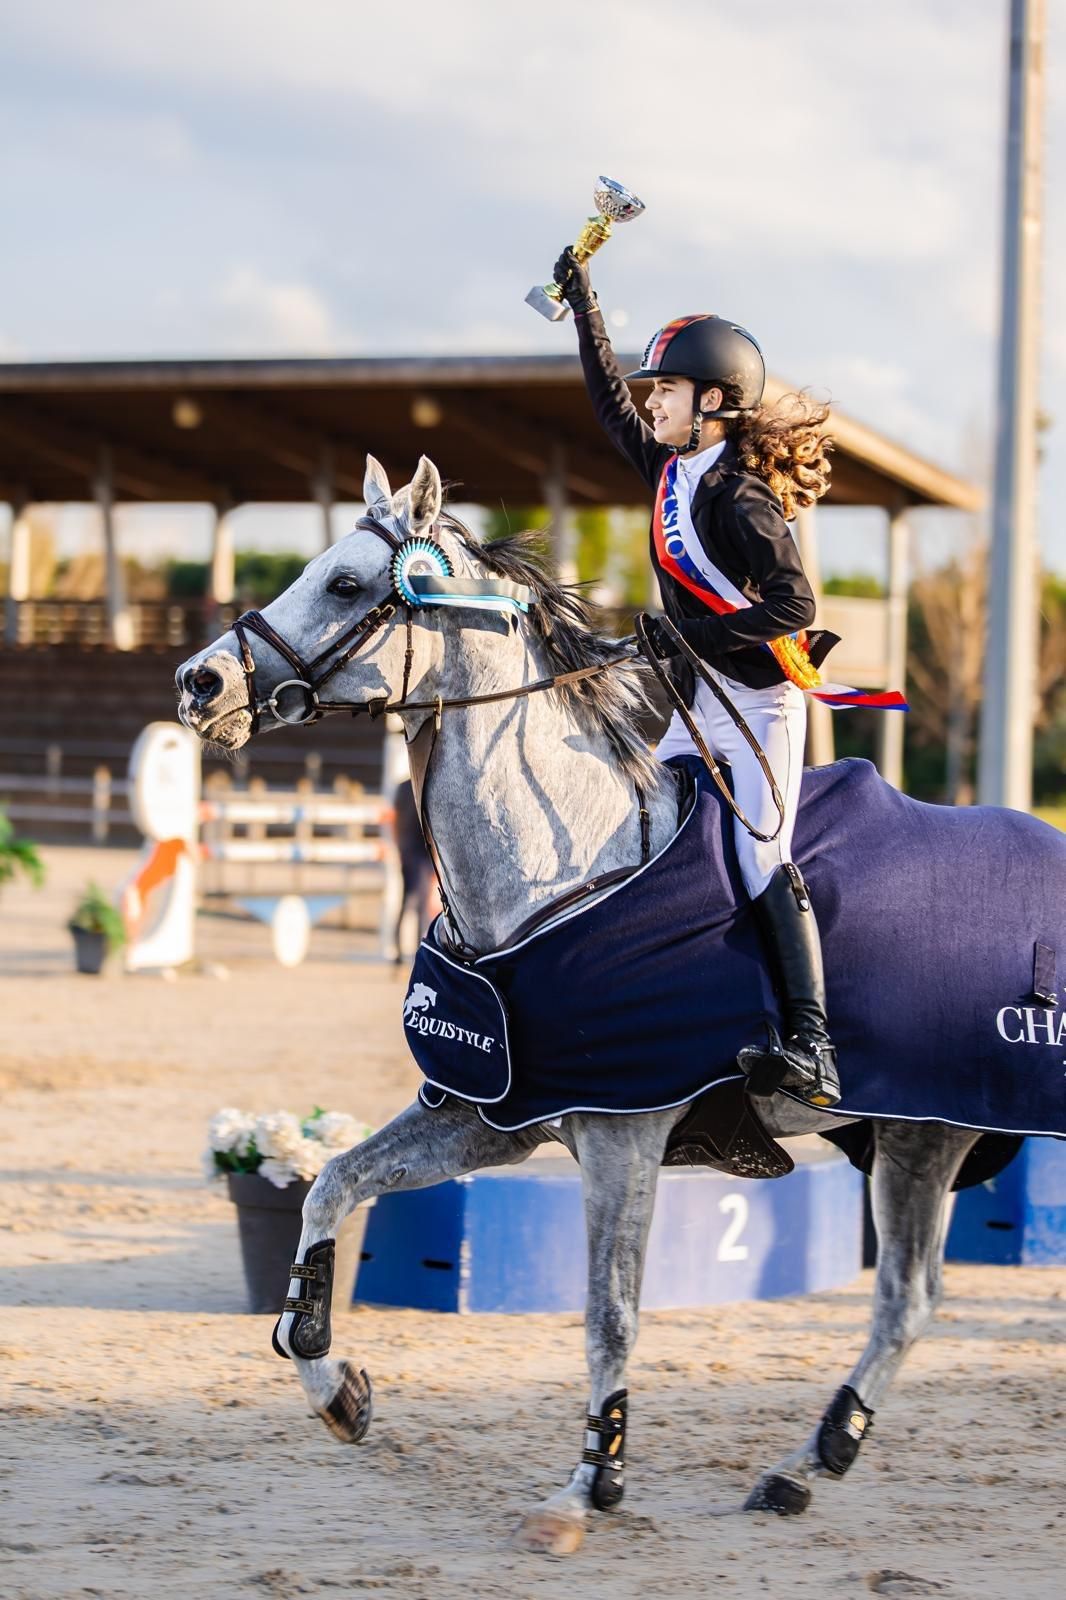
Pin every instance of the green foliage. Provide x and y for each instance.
(260, 574)
(263, 574)
(95, 914)
(187, 580)
(230, 1161)
(18, 855)
(593, 530)
(861, 584)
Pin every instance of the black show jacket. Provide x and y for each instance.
(739, 523)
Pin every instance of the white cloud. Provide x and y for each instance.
(260, 316)
(882, 393)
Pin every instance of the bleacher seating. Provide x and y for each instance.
(65, 711)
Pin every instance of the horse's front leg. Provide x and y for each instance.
(914, 1168)
(620, 1159)
(418, 1148)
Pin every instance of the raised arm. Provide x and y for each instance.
(611, 400)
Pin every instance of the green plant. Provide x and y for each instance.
(18, 855)
(278, 1146)
(94, 913)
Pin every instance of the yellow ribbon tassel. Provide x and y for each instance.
(795, 663)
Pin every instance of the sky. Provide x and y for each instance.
(339, 177)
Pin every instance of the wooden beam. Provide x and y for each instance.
(136, 472)
(289, 444)
(502, 430)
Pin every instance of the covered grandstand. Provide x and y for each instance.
(228, 433)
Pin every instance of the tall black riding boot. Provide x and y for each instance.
(805, 1063)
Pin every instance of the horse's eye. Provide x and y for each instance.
(344, 586)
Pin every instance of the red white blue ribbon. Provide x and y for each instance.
(681, 555)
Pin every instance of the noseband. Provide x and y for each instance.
(313, 674)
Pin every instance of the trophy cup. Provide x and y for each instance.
(615, 204)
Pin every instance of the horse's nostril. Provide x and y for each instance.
(203, 683)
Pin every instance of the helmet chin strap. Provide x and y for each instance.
(696, 434)
(699, 417)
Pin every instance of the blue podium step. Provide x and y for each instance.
(513, 1238)
(1019, 1216)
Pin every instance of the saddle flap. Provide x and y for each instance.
(723, 1130)
(456, 1026)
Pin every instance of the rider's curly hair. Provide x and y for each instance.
(785, 446)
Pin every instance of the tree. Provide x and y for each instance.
(945, 675)
(945, 666)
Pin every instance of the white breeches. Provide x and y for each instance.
(778, 718)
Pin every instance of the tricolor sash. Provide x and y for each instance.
(682, 556)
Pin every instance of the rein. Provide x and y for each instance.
(313, 674)
(342, 650)
(697, 738)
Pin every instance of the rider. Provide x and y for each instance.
(725, 475)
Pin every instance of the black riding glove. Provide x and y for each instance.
(573, 279)
(661, 643)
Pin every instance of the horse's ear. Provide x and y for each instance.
(376, 490)
(424, 497)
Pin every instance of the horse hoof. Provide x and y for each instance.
(348, 1414)
(788, 1497)
(546, 1533)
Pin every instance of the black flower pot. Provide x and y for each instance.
(270, 1221)
(90, 949)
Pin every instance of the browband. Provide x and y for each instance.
(488, 594)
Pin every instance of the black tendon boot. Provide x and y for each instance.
(805, 1063)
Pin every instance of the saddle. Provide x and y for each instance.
(722, 1130)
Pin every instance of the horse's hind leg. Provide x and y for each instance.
(620, 1159)
(914, 1168)
(418, 1148)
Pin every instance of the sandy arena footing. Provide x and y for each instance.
(152, 1443)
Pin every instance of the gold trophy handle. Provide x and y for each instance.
(597, 231)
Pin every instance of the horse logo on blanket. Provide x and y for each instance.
(420, 999)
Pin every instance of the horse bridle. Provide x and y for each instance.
(313, 674)
(338, 653)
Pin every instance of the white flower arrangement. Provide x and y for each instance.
(278, 1146)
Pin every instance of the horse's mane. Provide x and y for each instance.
(565, 620)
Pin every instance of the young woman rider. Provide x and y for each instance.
(726, 475)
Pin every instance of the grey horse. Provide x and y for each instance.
(531, 797)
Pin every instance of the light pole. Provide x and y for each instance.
(1005, 768)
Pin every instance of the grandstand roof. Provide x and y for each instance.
(286, 430)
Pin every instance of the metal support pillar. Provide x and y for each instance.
(892, 724)
(820, 750)
(1005, 768)
(324, 493)
(18, 572)
(555, 498)
(223, 586)
(119, 621)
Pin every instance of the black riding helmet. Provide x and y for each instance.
(714, 353)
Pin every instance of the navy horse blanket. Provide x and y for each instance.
(940, 928)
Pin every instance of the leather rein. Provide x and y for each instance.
(313, 674)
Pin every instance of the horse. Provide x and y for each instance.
(526, 718)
